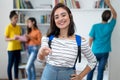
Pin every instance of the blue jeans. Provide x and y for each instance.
(102, 60)
(30, 67)
(56, 73)
(13, 59)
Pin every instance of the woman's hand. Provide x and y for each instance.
(44, 51)
(75, 77)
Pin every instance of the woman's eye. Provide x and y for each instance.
(56, 17)
(63, 15)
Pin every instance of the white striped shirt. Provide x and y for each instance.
(64, 52)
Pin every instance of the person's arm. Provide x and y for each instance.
(9, 39)
(111, 8)
(81, 75)
(44, 49)
(90, 41)
(86, 50)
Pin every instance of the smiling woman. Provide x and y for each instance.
(62, 55)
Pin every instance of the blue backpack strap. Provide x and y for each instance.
(78, 40)
(50, 40)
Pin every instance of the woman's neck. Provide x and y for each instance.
(33, 28)
(63, 34)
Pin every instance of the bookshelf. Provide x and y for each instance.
(41, 9)
(33, 8)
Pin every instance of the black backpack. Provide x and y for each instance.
(78, 40)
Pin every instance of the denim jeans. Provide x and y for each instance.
(102, 60)
(56, 73)
(30, 67)
(13, 59)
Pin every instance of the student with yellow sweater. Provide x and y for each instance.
(14, 45)
(33, 42)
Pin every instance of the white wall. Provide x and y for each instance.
(5, 7)
(83, 22)
(115, 54)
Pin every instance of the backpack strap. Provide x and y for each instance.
(78, 40)
(50, 40)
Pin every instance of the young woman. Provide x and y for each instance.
(61, 57)
(14, 45)
(33, 42)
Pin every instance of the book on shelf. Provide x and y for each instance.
(77, 4)
(45, 18)
(73, 3)
(16, 4)
(21, 18)
(69, 3)
(100, 4)
(27, 4)
(22, 4)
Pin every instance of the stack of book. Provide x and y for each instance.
(100, 4)
(45, 18)
(70, 3)
(23, 4)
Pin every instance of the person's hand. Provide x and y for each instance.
(45, 51)
(107, 2)
(27, 36)
(75, 77)
(16, 37)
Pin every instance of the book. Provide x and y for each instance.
(100, 4)
(14, 4)
(18, 4)
(21, 38)
(73, 3)
(21, 4)
(69, 4)
(27, 4)
(77, 4)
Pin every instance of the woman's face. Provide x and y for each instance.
(61, 18)
(29, 23)
(14, 19)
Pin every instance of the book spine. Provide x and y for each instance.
(17, 4)
(14, 3)
(77, 4)
(73, 3)
(68, 2)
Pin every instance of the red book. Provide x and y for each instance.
(77, 4)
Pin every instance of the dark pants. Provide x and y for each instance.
(13, 59)
(102, 60)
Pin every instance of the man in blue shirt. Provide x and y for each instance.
(100, 40)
